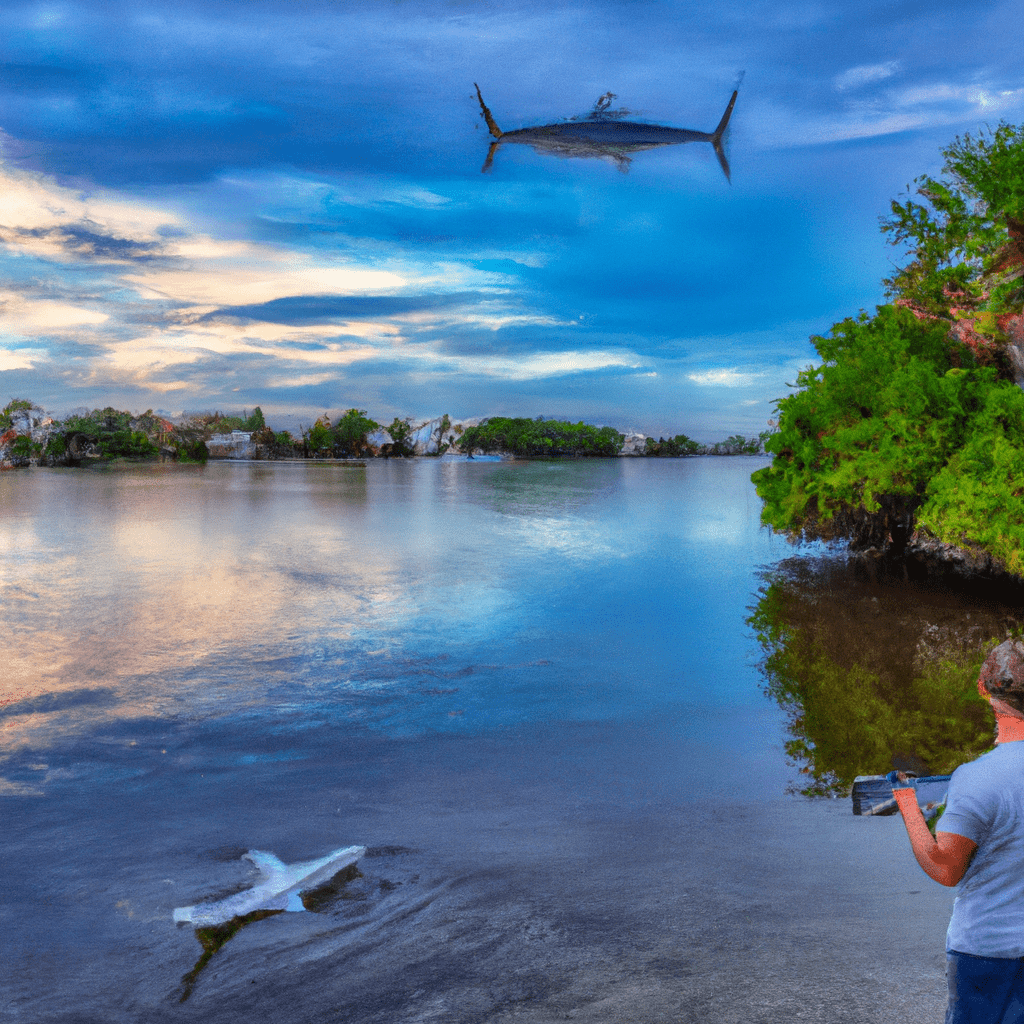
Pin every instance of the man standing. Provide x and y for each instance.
(980, 845)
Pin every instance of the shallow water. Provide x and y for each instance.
(528, 688)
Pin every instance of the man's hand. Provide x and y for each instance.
(900, 780)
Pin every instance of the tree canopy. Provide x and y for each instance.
(540, 438)
(347, 438)
(914, 420)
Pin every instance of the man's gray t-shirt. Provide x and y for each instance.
(986, 804)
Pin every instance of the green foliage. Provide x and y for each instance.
(110, 433)
(192, 450)
(127, 444)
(966, 234)
(736, 445)
(218, 423)
(24, 448)
(56, 446)
(349, 433)
(345, 439)
(319, 439)
(673, 447)
(859, 442)
(912, 415)
(541, 438)
(400, 431)
(977, 499)
(885, 429)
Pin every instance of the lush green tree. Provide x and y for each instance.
(350, 433)
(347, 438)
(912, 420)
(319, 438)
(674, 447)
(541, 438)
(401, 431)
(966, 242)
(255, 421)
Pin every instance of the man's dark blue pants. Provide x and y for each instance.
(984, 989)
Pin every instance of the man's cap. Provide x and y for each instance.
(1003, 671)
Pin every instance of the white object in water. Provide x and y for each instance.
(278, 887)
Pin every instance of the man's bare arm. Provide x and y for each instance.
(945, 856)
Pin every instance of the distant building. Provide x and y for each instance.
(236, 445)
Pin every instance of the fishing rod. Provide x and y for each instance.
(872, 794)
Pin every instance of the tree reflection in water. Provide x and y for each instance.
(876, 670)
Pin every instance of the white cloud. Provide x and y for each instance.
(35, 213)
(546, 364)
(864, 74)
(27, 316)
(253, 274)
(724, 378)
(20, 359)
(971, 96)
(172, 283)
(897, 110)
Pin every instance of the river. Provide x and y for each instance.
(530, 689)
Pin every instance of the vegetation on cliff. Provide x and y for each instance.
(913, 424)
(105, 433)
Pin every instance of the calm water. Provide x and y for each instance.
(527, 687)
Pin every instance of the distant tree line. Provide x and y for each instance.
(674, 447)
(541, 438)
(27, 435)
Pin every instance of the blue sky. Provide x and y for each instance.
(222, 205)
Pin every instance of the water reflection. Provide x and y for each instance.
(876, 671)
(150, 593)
(603, 133)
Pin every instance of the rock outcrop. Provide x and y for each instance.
(634, 444)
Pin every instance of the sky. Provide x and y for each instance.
(217, 205)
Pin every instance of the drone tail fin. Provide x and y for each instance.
(491, 124)
(716, 137)
(717, 134)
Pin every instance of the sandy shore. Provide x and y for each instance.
(491, 894)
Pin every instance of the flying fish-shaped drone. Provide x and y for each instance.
(603, 134)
